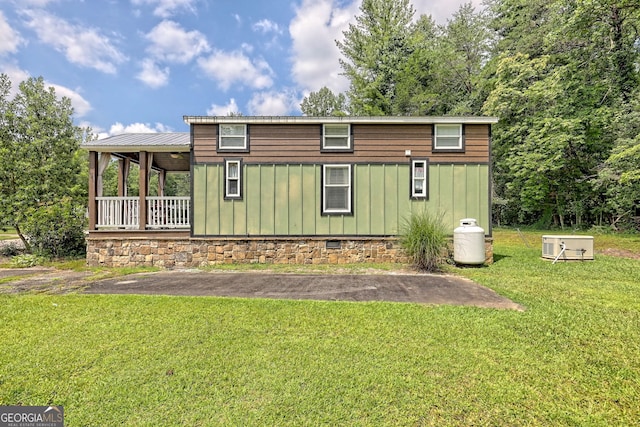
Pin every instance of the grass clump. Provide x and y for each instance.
(424, 238)
(26, 260)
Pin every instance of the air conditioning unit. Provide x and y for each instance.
(567, 247)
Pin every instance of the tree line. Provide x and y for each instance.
(561, 75)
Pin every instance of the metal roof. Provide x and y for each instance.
(345, 119)
(133, 142)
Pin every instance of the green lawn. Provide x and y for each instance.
(572, 358)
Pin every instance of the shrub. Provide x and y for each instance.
(424, 237)
(57, 230)
(26, 260)
(10, 249)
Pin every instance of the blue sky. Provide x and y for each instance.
(140, 65)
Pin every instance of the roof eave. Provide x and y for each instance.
(137, 148)
(344, 119)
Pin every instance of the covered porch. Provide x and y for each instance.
(149, 209)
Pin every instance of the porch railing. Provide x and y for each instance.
(168, 212)
(162, 212)
(118, 212)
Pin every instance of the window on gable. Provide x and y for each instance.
(336, 189)
(232, 137)
(233, 180)
(419, 182)
(336, 137)
(448, 137)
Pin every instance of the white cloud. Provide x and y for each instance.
(81, 45)
(9, 38)
(235, 68)
(152, 75)
(272, 104)
(171, 43)
(80, 105)
(223, 110)
(266, 29)
(265, 26)
(314, 29)
(167, 8)
(118, 128)
(442, 10)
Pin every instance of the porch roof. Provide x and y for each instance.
(166, 142)
(170, 149)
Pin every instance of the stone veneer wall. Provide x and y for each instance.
(185, 252)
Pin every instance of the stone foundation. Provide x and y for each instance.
(488, 250)
(186, 252)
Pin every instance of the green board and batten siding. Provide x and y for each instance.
(285, 200)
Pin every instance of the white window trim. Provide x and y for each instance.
(228, 179)
(458, 147)
(221, 147)
(348, 186)
(349, 146)
(414, 193)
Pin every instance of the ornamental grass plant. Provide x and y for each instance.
(424, 237)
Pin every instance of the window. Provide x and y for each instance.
(336, 189)
(419, 172)
(336, 137)
(233, 183)
(232, 138)
(448, 137)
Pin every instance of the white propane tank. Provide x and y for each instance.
(468, 243)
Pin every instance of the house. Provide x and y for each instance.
(288, 189)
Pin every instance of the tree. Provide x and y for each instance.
(618, 179)
(603, 35)
(416, 82)
(533, 138)
(400, 67)
(178, 184)
(324, 103)
(375, 49)
(463, 50)
(521, 25)
(563, 74)
(545, 147)
(38, 148)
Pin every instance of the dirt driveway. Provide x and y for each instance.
(416, 288)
